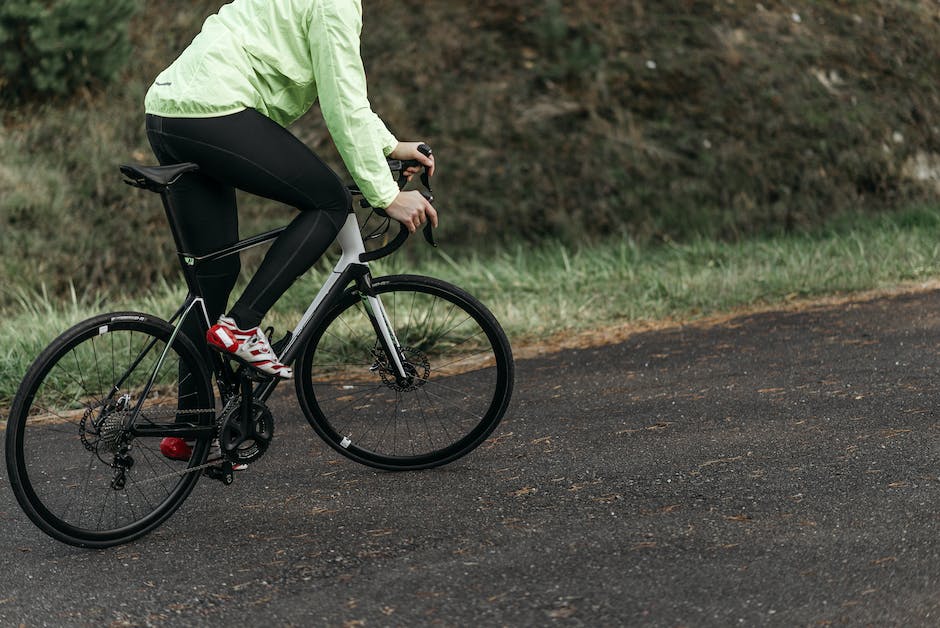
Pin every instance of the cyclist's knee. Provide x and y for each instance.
(347, 199)
(338, 208)
(334, 200)
(343, 207)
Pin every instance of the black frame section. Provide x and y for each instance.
(228, 378)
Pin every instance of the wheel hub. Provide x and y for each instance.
(102, 430)
(417, 369)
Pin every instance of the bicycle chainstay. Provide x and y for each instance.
(175, 413)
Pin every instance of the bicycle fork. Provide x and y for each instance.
(349, 269)
(383, 330)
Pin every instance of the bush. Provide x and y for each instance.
(54, 48)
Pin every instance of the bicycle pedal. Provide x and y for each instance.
(250, 373)
(278, 346)
(223, 473)
(257, 376)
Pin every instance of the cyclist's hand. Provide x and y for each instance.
(412, 210)
(409, 150)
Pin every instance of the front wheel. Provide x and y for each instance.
(460, 376)
(83, 437)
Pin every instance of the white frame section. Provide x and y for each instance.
(350, 240)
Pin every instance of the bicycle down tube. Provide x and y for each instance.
(348, 269)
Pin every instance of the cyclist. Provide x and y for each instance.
(255, 67)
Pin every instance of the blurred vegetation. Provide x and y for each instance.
(562, 121)
(60, 47)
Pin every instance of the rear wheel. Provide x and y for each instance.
(83, 436)
(460, 376)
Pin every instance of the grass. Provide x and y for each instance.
(539, 293)
(549, 119)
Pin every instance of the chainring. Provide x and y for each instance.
(244, 447)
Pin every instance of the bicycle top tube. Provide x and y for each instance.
(158, 179)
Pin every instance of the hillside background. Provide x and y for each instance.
(571, 121)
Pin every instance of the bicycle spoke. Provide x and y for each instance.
(76, 380)
(89, 479)
(443, 405)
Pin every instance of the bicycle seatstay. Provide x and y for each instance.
(187, 308)
(222, 369)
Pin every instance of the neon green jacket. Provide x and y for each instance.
(278, 57)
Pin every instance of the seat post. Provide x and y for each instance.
(159, 179)
(187, 262)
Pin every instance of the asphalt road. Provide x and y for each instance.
(779, 469)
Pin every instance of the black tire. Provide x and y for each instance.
(66, 430)
(463, 376)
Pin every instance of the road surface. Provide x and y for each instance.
(776, 469)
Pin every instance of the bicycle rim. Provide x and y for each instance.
(461, 380)
(73, 466)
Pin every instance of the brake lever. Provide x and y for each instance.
(428, 229)
(401, 166)
(425, 150)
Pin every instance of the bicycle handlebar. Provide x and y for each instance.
(396, 165)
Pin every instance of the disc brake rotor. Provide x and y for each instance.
(417, 368)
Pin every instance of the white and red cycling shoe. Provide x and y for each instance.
(250, 347)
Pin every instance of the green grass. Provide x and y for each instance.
(723, 119)
(540, 292)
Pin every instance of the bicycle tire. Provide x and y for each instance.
(462, 386)
(67, 427)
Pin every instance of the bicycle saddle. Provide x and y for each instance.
(155, 178)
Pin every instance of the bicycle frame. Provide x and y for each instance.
(350, 268)
(91, 395)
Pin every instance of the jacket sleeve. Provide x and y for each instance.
(362, 139)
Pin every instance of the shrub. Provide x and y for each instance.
(53, 48)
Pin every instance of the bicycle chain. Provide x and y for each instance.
(169, 412)
(122, 414)
(218, 428)
(233, 402)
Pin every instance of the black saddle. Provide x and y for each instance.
(155, 178)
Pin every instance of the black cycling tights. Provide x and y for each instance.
(253, 153)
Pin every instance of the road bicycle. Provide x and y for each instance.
(399, 372)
